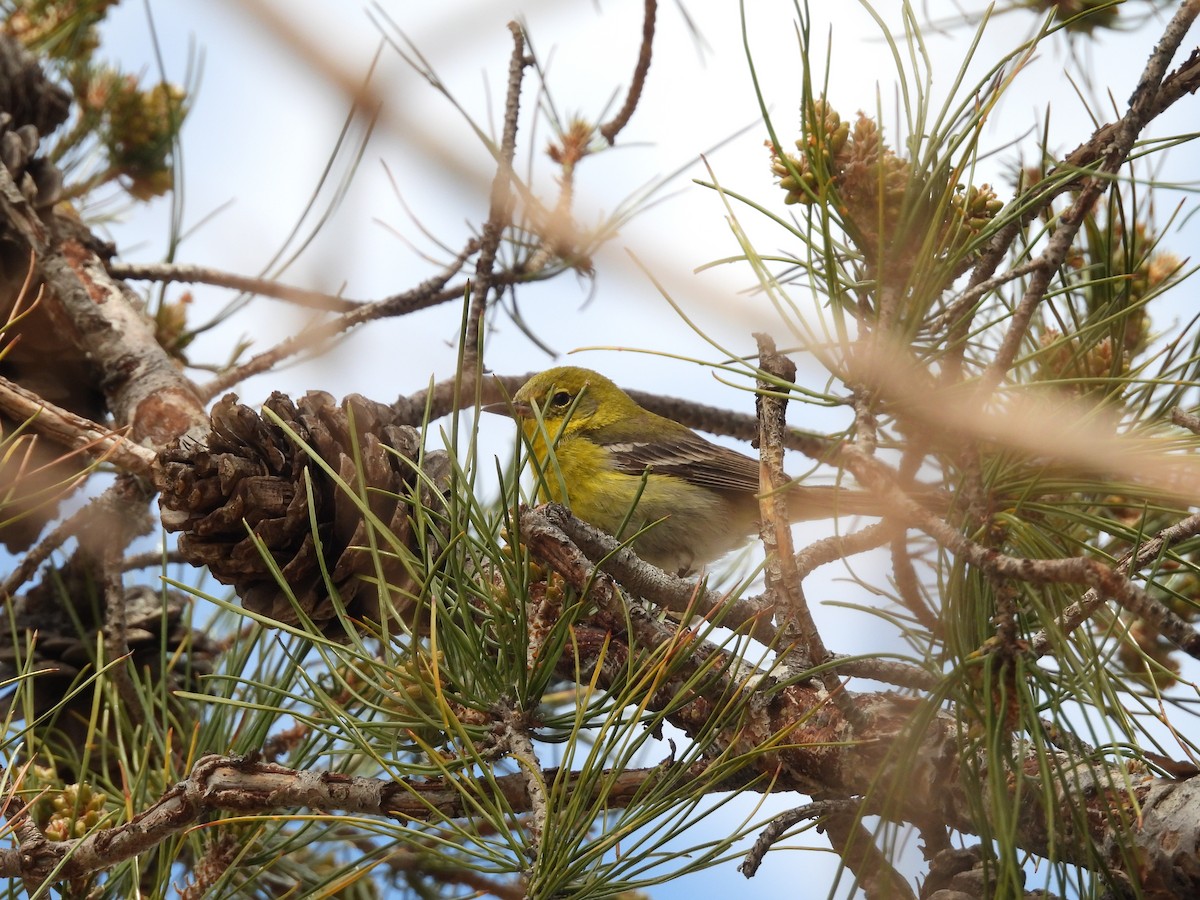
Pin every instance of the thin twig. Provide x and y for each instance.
(955, 319)
(840, 546)
(501, 204)
(610, 129)
(1083, 608)
(784, 822)
(801, 639)
(431, 292)
(887, 671)
(784, 589)
(151, 559)
(1143, 106)
(168, 273)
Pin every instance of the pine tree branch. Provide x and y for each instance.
(74, 432)
(928, 781)
(1110, 148)
(179, 273)
(143, 387)
(249, 787)
(431, 292)
(610, 129)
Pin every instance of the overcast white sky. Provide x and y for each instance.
(264, 121)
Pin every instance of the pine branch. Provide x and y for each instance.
(248, 787)
(795, 736)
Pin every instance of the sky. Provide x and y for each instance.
(265, 117)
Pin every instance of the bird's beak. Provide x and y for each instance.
(514, 409)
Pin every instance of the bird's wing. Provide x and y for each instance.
(690, 457)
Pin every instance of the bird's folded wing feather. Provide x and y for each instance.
(691, 458)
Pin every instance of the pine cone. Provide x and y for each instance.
(66, 612)
(30, 106)
(25, 91)
(251, 473)
(38, 179)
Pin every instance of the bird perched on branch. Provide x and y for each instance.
(684, 500)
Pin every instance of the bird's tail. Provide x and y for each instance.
(807, 503)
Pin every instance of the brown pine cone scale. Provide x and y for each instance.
(245, 489)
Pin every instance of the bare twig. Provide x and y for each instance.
(264, 287)
(784, 590)
(431, 292)
(610, 129)
(242, 785)
(1082, 609)
(501, 204)
(886, 671)
(784, 822)
(955, 318)
(840, 546)
(1144, 104)
(151, 559)
(1187, 420)
(517, 743)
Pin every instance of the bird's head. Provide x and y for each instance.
(571, 401)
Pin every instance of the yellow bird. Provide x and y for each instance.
(613, 462)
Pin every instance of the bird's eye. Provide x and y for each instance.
(560, 399)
